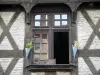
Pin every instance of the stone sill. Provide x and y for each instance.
(55, 67)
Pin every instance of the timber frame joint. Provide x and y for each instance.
(73, 6)
(28, 7)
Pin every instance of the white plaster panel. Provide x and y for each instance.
(1, 30)
(96, 62)
(38, 73)
(5, 44)
(6, 16)
(18, 69)
(83, 30)
(83, 69)
(63, 73)
(95, 44)
(5, 62)
(18, 30)
(94, 15)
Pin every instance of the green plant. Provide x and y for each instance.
(29, 44)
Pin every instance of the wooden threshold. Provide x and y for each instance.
(51, 68)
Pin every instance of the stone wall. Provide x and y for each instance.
(85, 33)
(14, 42)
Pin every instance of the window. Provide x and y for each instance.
(44, 52)
(41, 20)
(60, 19)
(52, 37)
(40, 48)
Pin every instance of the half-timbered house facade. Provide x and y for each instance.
(53, 27)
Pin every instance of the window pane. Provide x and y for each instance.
(36, 58)
(44, 23)
(64, 22)
(37, 17)
(40, 57)
(37, 48)
(37, 38)
(46, 17)
(37, 23)
(57, 17)
(64, 16)
(43, 57)
(57, 23)
(44, 38)
(45, 48)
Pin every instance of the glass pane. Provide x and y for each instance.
(57, 23)
(44, 38)
(40, 57)
(37, 38)
(45, 48)
(57, 17)
(46, 17)
(44, 23)
(64, 16)
(37, 23)
(43, 57)
(36, 58)
(37, 48)
(64, 22)
(37, 17)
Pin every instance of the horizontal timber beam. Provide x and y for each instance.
(10, 53)
(89, 53)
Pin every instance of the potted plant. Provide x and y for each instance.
(28, 47)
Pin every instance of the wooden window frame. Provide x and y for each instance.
(61, 26)
(33, 21)
(51, 29)
(41, 33)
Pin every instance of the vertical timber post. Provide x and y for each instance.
(73, 7)
(28, 35)
(28, 32)
(74, 38)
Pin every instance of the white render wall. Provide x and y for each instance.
(84, 31)
(17, 31)
(57, 73)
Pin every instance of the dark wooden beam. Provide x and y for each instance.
(11, 66)
(94, 27)
(51, 68)
(6, 30)
(89, 53)
(1, 69)
(90, 65)
(11, 53)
